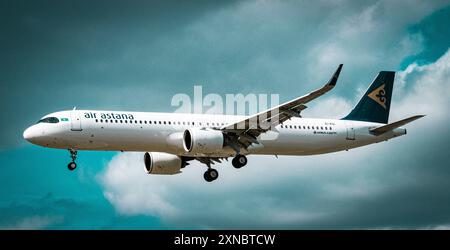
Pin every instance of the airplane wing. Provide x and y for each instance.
(247, 130)
(388, 127)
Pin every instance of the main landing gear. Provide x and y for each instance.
(72, 165)
(239, 161)
(211, 174)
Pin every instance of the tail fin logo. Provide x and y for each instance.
(379, 95)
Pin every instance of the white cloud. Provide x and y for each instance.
(36, 222)
(440, 227)
(429, 90)
(329, 107)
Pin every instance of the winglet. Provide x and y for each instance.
(333, 80)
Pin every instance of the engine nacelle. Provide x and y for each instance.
(162, 163)
(203, 141)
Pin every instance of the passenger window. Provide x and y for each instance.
(96, 120)
(121, 121)
(321, 128)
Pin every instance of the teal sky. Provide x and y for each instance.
(117, 56)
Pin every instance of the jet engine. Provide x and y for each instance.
(162, 163)
(203, 141)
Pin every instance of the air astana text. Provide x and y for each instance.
(115, 116)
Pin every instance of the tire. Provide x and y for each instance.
(239, 161)
(235, 163)
(211, 175)
(206, 177)
(72, 166)
(242, 159)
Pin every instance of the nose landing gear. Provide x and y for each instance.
(72, 165)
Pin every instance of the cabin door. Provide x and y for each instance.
(75, 120)
(350, 131)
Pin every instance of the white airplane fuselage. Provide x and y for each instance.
(163, 132)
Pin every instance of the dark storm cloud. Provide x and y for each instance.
(60, 54)
(40, 213)
(435, 32)
(51, 212)
(414, 188)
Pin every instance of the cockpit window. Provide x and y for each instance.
(49, 120)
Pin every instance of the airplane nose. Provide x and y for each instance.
(30, 134)
(36, 135)
(27, 134)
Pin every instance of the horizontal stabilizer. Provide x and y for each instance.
(383, 129)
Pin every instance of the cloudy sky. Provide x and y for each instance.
(110, 55)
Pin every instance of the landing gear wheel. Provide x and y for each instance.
(239, 161)
(71, 166)
(211, 175)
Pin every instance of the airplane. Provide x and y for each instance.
(171, 140)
